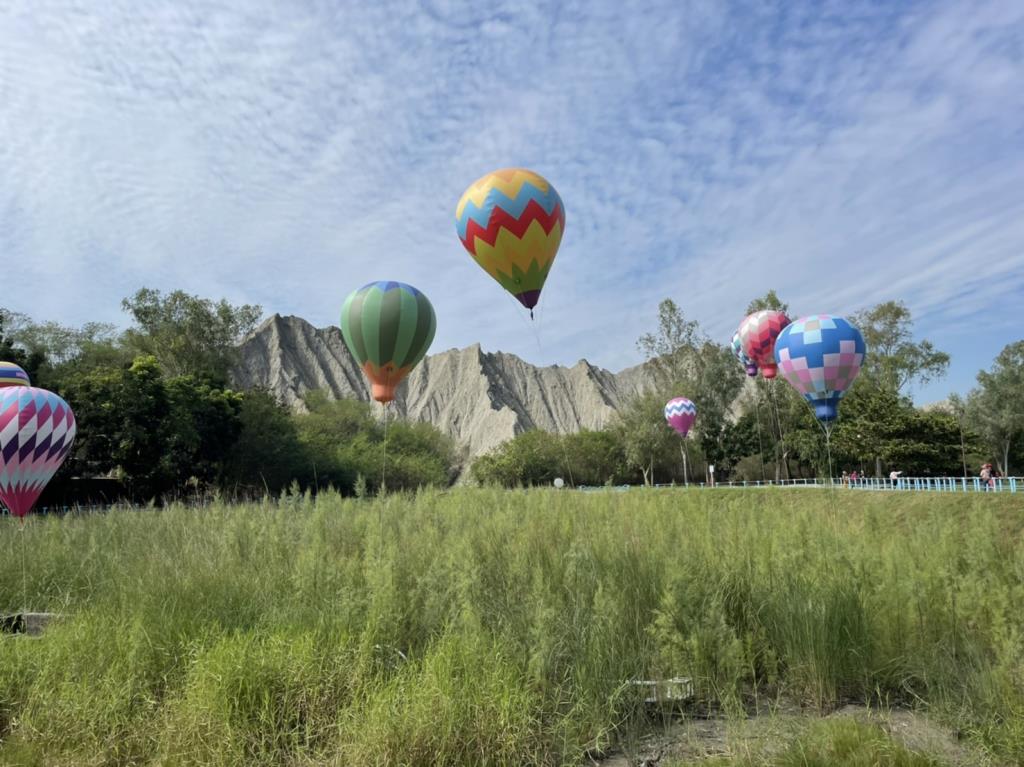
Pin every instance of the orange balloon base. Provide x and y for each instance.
(383, 392)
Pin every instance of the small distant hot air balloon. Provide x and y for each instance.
(680, 414)
(820, 355)
(737, 349)
(757, 334)
(511, 221)
(37, 429)
(388, 327)
(13, 375)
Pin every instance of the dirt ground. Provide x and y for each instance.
(692, 740)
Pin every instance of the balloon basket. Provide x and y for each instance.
(26, 623)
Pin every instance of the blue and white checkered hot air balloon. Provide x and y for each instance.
(820, 355)
(680, 414)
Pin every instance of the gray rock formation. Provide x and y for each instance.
(480, 399)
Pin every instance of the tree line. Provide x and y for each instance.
(158, 417)
(753, 429)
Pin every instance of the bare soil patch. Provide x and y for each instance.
(695, 740)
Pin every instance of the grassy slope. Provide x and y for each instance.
(496, 627)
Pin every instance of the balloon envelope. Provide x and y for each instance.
(37, 429)
(737, 349)
(388, 327)
(680, 414)
(13, 375)
(820, 355)
(511, 221)
(758, 332)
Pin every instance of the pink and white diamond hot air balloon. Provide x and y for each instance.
(37, 429)
(680, 414)
(757, 334)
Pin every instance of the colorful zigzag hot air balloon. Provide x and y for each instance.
(820, 355)
(680, 414)
(13, 375)
(511, 221)
(757, 333)
(37, 429)
(388, 327)
(737, 349)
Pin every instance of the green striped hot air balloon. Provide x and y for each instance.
(388, 327)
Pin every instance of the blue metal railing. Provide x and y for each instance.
(914, 484)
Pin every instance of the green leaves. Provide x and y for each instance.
(894, 359)
(996, 407)
(186, 334)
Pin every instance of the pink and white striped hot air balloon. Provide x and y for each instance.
(37, 429)
(680, 414)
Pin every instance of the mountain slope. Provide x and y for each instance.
(480, 399)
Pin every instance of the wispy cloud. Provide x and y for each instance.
(285, 153)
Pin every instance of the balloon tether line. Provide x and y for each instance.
(826, 426)
(779, 452)
(828, 448)
(530, 325)
(686, 469)
(383, 478)
(384, 459)
(760, 446)
(24, 577)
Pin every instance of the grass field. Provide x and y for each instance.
(501, 627)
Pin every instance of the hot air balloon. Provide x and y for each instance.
(13, 375)
(680, 414)
(757, 334)
(737, 349)
(388, 327)
(511, 221)
(37, 429)
(820, 355)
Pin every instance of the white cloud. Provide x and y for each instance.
(285, 154)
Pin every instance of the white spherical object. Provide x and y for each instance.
(559, 483)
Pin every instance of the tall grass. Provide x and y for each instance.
(499, 627)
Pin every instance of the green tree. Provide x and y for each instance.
(68, 352)
(958, 407)
(595, 458)
(267, 456)
(714, 385)
(996, 406)
(340, 441)
(203, 425)
(122, 420)
(188, 335)
(770, 301)
(646, 440)
(882, 428)
(533, 457)
(670, 351)
(894, 359)
(343, 441)
(12, 351)
(419, 455)
(156, 435)
(684, 362)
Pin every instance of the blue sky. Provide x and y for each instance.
(285, 153)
